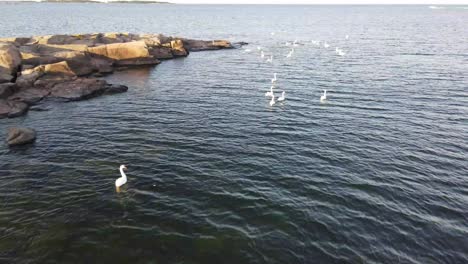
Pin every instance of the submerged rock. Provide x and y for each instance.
(20, 136)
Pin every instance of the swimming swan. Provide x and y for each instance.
(324, 96)
(123, 179)
(272, 101)
(282, 97)
(270, 93)
(274, 78)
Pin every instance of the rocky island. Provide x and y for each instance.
(68, 67)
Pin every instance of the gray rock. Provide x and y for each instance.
(6, 89)
(11, 109)
(20, 136)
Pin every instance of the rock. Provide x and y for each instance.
(53, 66)
(45, 76)
(79, 89)
(29, 95)
(178, 48)
(113, 89)
(199, 45)
(11, 109)
(102, 65)
(78, 61)
(10, 61)
(16, 41)
(6, 89)
(138, 62)
(20, 136)
(122, 51)
(161, 53)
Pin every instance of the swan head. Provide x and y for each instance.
(123, 167)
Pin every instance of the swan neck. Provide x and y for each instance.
(123, 173)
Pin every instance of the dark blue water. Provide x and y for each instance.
(378, 174)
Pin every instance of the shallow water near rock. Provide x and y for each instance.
(375, 175)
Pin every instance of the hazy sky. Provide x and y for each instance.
(459, 2)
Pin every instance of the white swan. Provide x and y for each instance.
(270, 93)
(295, 43)
(347, 37)
(272, 101)
(339, 52)
(290, 53)
(123, 179)
(262, 54)
(274, 78)
(282, 97)
(324, 96)
(270, 59)
(326, 45)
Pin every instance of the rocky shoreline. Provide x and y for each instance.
(66, 67)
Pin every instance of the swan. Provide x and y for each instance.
(270, 59)
(274, 78)
(270, 93)
(295, 43)
(281, 98)
(339, 52)
(324, 96)
(262, 54)
(123, 179)
(326, 45)
(272, 101)
(290, 53)
(347, 37)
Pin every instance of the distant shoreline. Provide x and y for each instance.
(92, 1)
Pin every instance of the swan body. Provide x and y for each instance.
(326, 45)
(270, 93)
(270, 59)
(123, 179)
(339, 52)
(274, 78)
(324, 96)
(295, 43)
(262, 54)
(290, 53)
(272, 101)
(282, 97)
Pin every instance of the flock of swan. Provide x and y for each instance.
(269, 59)
(123, 177)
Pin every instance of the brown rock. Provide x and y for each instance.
(10, 60)
(138, 62)
(161, 53)
(122, 51)
(178, 48)
(199, 45)
(20, 136)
